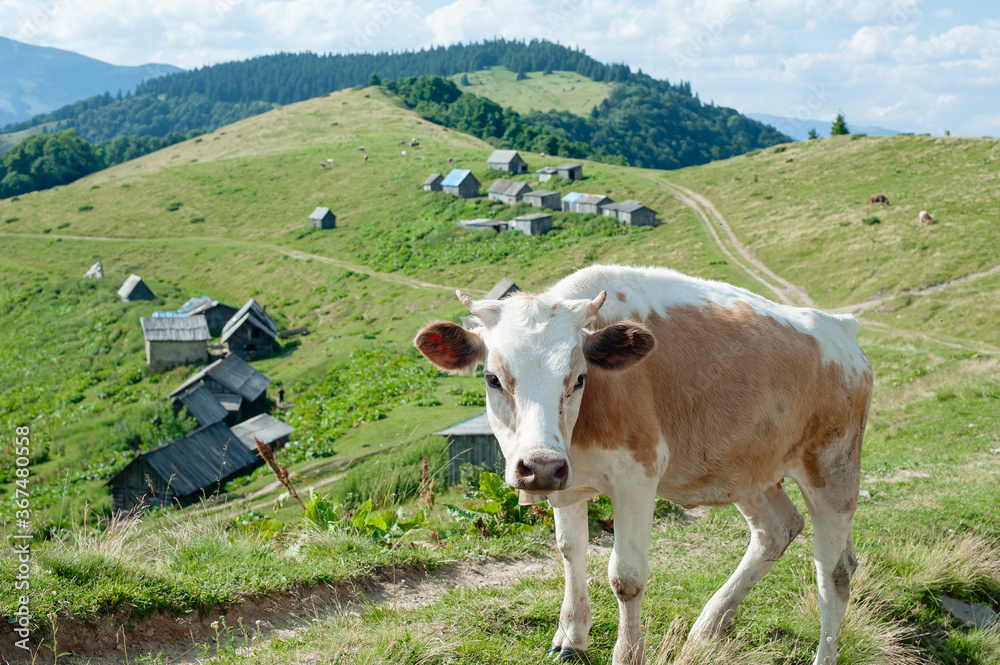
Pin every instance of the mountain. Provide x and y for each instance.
(38, 79)
(799, 129)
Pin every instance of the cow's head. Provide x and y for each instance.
(536, 351)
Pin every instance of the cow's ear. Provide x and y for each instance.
(450, 346)
(618, 346)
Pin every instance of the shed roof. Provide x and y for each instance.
(231, 402)
(200, 460)
(508, 187)
(503, 288)
(252, 312)
(631, 206)
(264, 427)
(574, 165)
(175, 329)
(546, 169)
(456, 177)
(593, 198)
(320, 213)
(434, 179)
(232, 372)
(505, 156)
(531, 217)
(135, 289)
(572, 197)
(539, 193)
(96, 270)
(203, 405)
(194, 303)
(476, 425)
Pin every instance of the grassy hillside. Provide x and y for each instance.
(226, 214)
(560, 91)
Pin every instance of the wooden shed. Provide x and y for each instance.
(631, 213)
(322, 218)
(175, 341)
(182, 471)
(534, 224)
(203, 405)
(250, 331)
(568, 201)
(461, 182)
(546, 173)
(238, 387)
(507, 191)
(570, 171)
(542, 198)
(135, 289)
(472, 442)
(265, 427)
(96, 271)
(591, 203)
(483, 224)
(433, 182)
(216, 313)
(507, 160)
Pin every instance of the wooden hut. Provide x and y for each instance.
(507, 160)
(433, 182)
(542, 198)
(631, 213)
(570, 171)
(134, 289)
(250, 331)
(96, 271)
(472, 442)
(266, 428)
(461, 182)
(507, 191)
(182, 471)
(546, 173)
(174, 341)
(238, 387)
(568, 201)
(590, 203)
(203, 405)
(483, 224)
(502, 289)
(534, 224)
(216, 313)
(322, 218)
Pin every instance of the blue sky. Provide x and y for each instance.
(910, 65)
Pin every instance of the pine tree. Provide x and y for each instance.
(813, 134)
(839, 126)
(374, 80)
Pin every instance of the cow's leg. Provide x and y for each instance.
(570, 641)
(774, 523)
(831, 509)
(628, 569)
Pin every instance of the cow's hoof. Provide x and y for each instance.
(553, 651)
(572, 656)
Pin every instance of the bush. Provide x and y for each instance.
(871, 221)
(393, 478)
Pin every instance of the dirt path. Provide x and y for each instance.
(192, 639)
(867, 305)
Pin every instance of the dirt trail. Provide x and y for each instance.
(192, 639)
(867, 305)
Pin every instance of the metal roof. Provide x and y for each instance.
(175, 329)
(631, 206)
(200, 460)
(135, 289)
(232, 372)
(434, 179)
(506, 187)
(505, 156)
(229, 401)
(194, 303)
(476, 425)
(567, 167)
(539, 193)
(264, 427)
(593, 198)
(546, 169)
(96, 271)
(252, 312)
(501, 289)
(572, 197)
(319, 213)
(169, 314)
(456, 177)
(203, 405)
(482, 224)
(534, 216)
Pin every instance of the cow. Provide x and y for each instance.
(878, 198)
(643, 382)
(924, 217)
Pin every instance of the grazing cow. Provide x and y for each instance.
(366, 157)
(360, 148)
(449, 160)
(329, 160)
(414, 143)
(643, 382)
(322, 165)
(404, 153)
(402, 142)
(878, 198)
(924, 218)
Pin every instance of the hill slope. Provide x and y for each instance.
(39, 79)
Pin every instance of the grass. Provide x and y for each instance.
(71, 364)
(560, 91)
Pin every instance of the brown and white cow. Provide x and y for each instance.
(643, 382)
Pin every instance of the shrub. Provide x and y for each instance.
(871, 221)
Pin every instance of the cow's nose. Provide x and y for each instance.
(542, 473)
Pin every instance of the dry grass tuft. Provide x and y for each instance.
(674, 649)
(960, 564)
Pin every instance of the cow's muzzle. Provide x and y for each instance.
(541, 474)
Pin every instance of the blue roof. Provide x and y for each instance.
(194, 302)
(572, 196)
(169, 315)
(455, 178)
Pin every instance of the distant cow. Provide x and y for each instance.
(366, 157)
(404, 153)
(402, 142)
(449, 160)
(360, 148)
(322, 165)
(329, 160)
(414, 143)
(643, 382)
(878, 198)
(924, 218)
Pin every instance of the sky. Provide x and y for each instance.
(909, 65)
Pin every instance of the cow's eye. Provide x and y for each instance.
(493, 382)
(579, 381)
